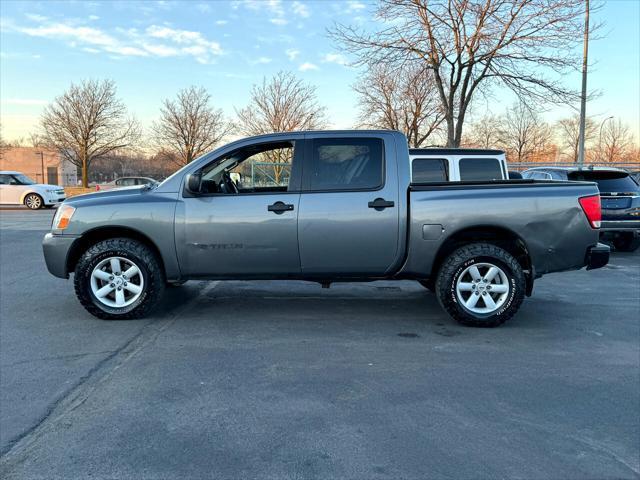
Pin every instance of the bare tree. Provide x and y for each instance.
(189, 126)
(472, 45)
(523, 133)
(400, 100)
(614, 140)
(283, 103)
(484, 132)
(569, 131)
(88, 122)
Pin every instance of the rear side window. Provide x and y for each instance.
(540, 176)
(346, 164)
(479, 169)
(429, 170)
(608, 182)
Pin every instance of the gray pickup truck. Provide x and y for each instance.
(324, 207)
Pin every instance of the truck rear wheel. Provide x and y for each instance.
(119, 278)
(480, 285)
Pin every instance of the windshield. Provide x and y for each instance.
(608, 182)
(23, 179)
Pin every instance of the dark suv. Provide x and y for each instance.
(620, 196)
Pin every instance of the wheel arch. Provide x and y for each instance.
(497, 235)
(29, 192)
(90, 237)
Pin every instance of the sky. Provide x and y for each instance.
(152, 49)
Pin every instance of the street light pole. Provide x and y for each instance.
(583, 96)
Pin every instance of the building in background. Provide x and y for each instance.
(42, 165)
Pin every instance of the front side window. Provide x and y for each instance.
(255, 169)
(346, 164)
(429, 170)
(21, 179)
(480, 169)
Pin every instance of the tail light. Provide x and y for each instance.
(97, 188)
(591, 207)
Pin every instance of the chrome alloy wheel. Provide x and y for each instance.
(482, 288)
(117, 282)
(33, 201)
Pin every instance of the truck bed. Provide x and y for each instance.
(544, 215)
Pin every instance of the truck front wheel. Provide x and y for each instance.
(480, 285)
(119, 278)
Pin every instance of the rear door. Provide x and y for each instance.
(349, 212)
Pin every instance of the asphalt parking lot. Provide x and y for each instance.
(288, 380)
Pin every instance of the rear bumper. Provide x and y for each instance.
(56, 250)
(597, 256)
(620, 226)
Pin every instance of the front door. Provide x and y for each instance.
(11, 189)
(244, 224)
(349, 214)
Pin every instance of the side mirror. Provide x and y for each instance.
(194, 182)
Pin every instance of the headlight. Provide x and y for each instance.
(52, 190)
(63, 217)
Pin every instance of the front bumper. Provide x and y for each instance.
(56, 251)
(54, 199)
(597, 256)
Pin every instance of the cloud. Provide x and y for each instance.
(24, 101)
(94, 17)
(278, 21)
(300, 9)
(292, 53)
(221, 22)
(154, 41)
(307, 66)
(335, 58)
(35, 17)
(355, 6)
(203, 7)
(262, 60)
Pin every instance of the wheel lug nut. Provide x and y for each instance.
(477, 293)
(112, 285)
(111, 277)
(125, 284)
(119, 288)
(484, 293)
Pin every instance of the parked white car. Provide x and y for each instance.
(18, 189)
(126, 182)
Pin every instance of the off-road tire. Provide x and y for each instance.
(141, 255)
(455, 264)
(37, 200)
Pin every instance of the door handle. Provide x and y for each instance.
(280, 207)
(380, 204)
